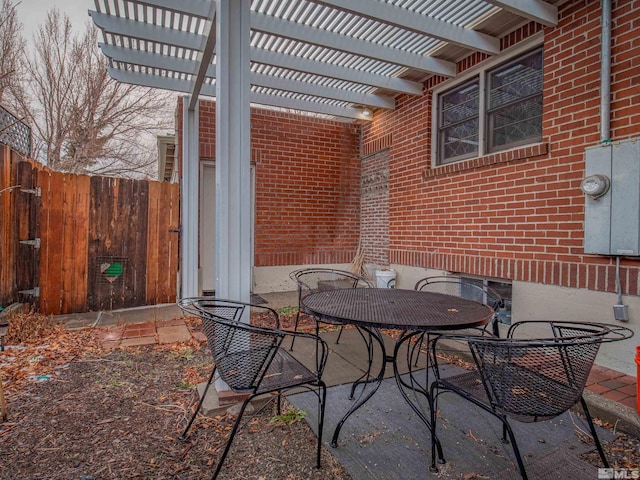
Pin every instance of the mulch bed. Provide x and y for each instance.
(76, 411)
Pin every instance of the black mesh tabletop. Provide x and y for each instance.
(397, 309)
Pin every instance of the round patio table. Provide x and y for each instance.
(410, 311)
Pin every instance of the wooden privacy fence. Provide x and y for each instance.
(75, 243)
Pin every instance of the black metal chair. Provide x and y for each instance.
(461, 287)
(312, 280)
(525, 379)
(252, 360)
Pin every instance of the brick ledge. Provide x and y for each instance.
(523, 153)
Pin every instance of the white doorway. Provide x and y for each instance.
(208, 225)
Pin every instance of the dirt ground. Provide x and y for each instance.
(119, 416)
(78, 412)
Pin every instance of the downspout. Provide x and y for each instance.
(605, 73)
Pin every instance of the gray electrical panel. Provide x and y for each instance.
(612, 220)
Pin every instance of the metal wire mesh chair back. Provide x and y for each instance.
(460, 287)
(318, 280)
(242, 353)
(537, 379)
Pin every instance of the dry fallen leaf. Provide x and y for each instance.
(519, 390)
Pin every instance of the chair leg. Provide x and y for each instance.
(279, 403)
(504, 439)
(436, 446)
(204, 394)
(419, 348)
(516, 450)
(494, 326)
(231, 437)
(322, 400)
(339, 334)
(593, 432)
(295, 328)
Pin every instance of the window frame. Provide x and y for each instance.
(481, 71)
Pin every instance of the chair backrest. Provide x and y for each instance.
(312, 280)
(461, 287)
(242, 353)
(537, 379)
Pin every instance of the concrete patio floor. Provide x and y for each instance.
(385, 439)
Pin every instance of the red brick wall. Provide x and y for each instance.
(307, 185)
(518, 214)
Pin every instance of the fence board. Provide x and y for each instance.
(75, 241)
(46, 285)
(153, 260)
(81, 242)
(103, 198)
(170, 223)
(7, 276)
(25, 228)
(52, 244)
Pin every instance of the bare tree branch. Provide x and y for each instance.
(82, 120)
(11, 48)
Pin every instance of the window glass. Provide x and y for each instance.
(459, 121)
(515, 102)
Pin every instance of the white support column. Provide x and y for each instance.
(189, 193)
(233, 151)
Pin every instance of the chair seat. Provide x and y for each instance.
(286, 372)
(467, 384)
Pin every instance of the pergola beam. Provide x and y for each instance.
(301, 64)
(147, 31)
(204, 57)
(536, 10)
(208, 90)
(283, 28)
(415, 22)
(194, 8)
(176, 64)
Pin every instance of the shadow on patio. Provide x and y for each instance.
(385, 439)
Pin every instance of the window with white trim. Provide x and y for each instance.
(496, 109)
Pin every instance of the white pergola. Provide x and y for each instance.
(341, 59)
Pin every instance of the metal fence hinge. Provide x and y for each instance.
(35, 243)
(35, 292)
(35, 191)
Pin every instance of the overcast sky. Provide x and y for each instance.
(34, 12)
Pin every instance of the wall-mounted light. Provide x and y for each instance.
(595, 185)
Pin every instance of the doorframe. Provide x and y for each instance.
(211, 163)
